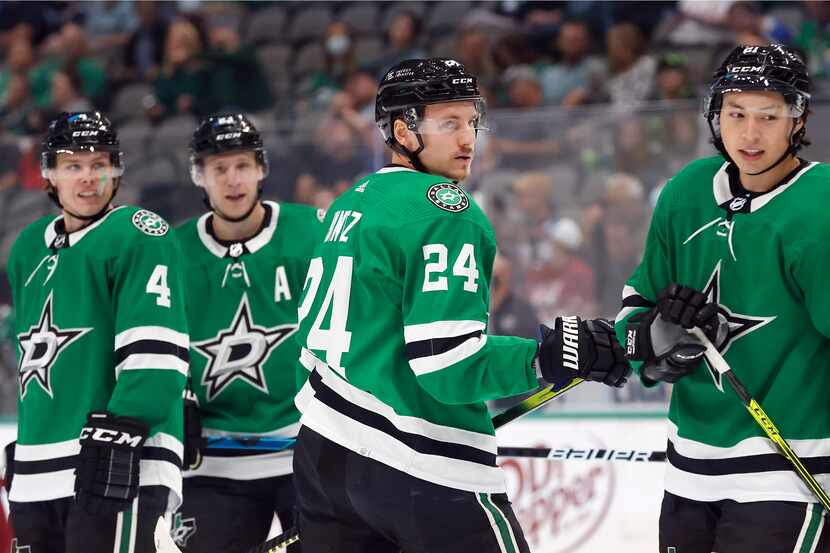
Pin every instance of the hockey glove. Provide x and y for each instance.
(193, 440)
(584, 349)
(106, 480)
(658, 337)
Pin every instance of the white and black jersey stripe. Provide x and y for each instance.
(357, 420)
(151, 347)
(434, 346)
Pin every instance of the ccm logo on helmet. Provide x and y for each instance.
(467, 80)
(110, 436)
(747, 69)
(228, 135)
(85, 133)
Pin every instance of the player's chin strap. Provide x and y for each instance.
(410, 117)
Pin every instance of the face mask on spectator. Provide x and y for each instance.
(337, 45)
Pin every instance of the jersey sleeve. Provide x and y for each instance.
(151, 339)
(650, 276)
(446, 271)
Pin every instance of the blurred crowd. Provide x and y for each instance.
(591, 107)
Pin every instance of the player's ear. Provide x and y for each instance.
(403, 135)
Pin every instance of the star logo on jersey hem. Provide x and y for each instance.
(738, 325)
(40, 348)
(240, 352)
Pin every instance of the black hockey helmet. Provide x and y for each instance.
(83, 131)
(219, 134)
(773, 67)
(411, 85)
(89, 131)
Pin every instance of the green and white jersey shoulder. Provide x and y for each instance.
(396, 358)
(242, 313)
(764, 258)
(100, 324)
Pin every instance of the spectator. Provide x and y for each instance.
(638, 153)
(68, 49)
(558, 281)
(570, 81)
(237, 81)
(109, 23)
(522, 228)
(814, 37)
(510, 315)
(20, 58)
(401, 41)
(746, 18)
(144, 53)
(17, 104)
(183, 83)
(9, 161)
(631, 69)
(355, 105)
(473, 50)
(334, 161)
(66, 92)
(672, 80)
(615, 226)
(338, 43)
(524, 140)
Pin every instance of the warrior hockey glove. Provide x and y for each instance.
(584, 349)
(106, 480)
(658, 337)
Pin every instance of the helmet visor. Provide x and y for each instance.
(793, 106)
(82, 162)
(452, 123)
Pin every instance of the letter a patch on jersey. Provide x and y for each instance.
(448, 197)
(240, 352)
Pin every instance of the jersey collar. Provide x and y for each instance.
(394, 169)
(73, 237)
(252, 244)
(749, 202)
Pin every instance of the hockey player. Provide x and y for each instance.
(103, 352)
(396, 450)
(246, 264)
(738, 247)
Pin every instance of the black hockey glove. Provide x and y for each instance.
(585, 349)
(106, 480)
(193, 440)
(658, 337)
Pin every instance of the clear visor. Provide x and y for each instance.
(82, 164)
(238, 170)
(776, 109)
(453, 123)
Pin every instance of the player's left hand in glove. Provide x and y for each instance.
(660, 339)
(106, 480)
(584, 349)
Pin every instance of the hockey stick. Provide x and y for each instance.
(717, 362)
(535, 401)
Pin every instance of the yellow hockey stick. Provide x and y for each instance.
(764, 421)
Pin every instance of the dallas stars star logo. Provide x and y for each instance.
(240, 352)
(183, 529)
(40, 348)
(738, 325)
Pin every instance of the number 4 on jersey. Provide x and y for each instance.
(157, 284)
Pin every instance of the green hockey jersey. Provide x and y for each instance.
(764, 258)
(242, 313)
(393, 322)
(100, 324)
